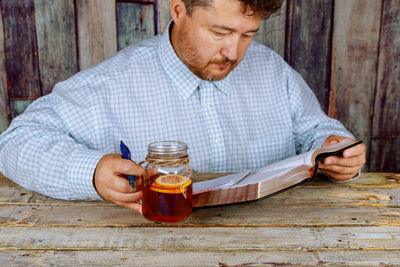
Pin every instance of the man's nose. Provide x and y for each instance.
(230, 49)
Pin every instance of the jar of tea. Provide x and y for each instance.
(167, 182)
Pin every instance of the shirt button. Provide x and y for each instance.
(208, 104)
(216, 141)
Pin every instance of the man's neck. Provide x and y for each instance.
(172, 37)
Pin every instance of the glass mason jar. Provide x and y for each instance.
(167, 182)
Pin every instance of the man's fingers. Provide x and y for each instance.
(333, 142)
(347, 165)
(112, 186)
(118, 189)
(128, 167)
(120, 184)
(339, 176)
(355, 151)
(340, 169)
(333, 139)
(125, 198)
(343, 162)
(133, 206)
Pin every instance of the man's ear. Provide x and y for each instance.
(177, 9)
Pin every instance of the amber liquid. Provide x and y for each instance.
(166, 204)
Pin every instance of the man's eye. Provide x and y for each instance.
(220, 34)
(246, 36)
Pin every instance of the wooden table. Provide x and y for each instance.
(318, 222)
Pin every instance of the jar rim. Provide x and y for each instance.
(169, 146)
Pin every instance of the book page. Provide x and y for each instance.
(257, 176)
(269, 172)
(302, 159)
(250, 177)
(221, 182)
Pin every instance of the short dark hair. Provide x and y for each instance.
(264, 8)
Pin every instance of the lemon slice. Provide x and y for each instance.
(173, 180)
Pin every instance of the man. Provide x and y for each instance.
(234, 102)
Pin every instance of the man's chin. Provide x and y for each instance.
(217, 75)
(214, 74)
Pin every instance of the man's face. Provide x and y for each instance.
(213, 40)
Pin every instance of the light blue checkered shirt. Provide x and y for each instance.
(262, 112)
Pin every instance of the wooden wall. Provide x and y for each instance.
(347, 50)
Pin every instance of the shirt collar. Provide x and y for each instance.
(186, 82)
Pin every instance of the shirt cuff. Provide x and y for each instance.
(80, 174)
(345, 181)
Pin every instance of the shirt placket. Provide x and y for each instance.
(213, 125)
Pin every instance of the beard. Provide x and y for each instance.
(191, 57)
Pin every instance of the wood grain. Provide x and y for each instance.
(354, 63)
(4, 102)
(272, 31)
(135, 23)
(372, 200)
(163, 15)
(18, 106)
(181, 239)
(386, 116)
(97, 31)
(56, 36)
(237, 258)
(309, 44)
(21, 50)
(292, 228)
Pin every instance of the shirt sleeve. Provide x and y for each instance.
(42, 152)
(311, 126)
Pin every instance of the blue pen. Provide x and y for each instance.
(126, 154)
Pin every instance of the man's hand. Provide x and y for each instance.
(112, 185)
(346, 166)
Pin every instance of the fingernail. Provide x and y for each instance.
(328, 161)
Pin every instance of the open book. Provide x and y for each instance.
(252, 185)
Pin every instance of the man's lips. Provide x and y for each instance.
(223, 65)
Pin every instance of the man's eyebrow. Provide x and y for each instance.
(222, 27)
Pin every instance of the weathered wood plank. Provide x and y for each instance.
(222, 239)
(135, 23)
(309, 44)
(18, 106)
(301, 196)
(385, 144)
(55, 29)
(97, 31)
(272, 31)
(4, 102)
(163, 15)
(258, 214)
(333, 205)
(370, 189)
(354, 62)
(327, 197)
(22, 63)
(198, 258)
(387, 149)
(358, 258)
(288, 232)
